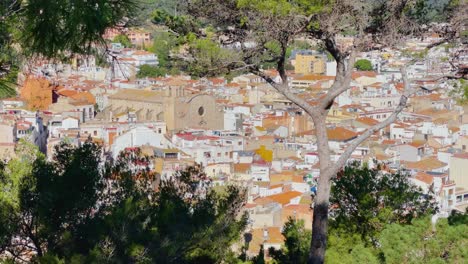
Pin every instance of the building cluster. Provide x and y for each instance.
(245, 132)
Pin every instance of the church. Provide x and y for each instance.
(172, 105)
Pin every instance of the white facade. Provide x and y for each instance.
(260, 172)
(137, 137)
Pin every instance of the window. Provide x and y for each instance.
(95, 133)
(201, 111)
(463, 147)
(218, 155)
(239, 143)
(159, 130)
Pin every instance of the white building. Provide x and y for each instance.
(137, 137)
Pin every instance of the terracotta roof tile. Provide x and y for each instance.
(358, 74)
(367, 120)
(427, 164)
(314, 77)
(281, 198)
(340, 134)
(424, 177)
(242, 167)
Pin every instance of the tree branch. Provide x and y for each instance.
(361, 138)
(283, 88)
(341, 84)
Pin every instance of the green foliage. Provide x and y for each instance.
(427, 11)
(363, 65)
(151, 71)
(77, 209)
(163, 44)
(143, 13)
(464, 33)
(296, 244)
(19, 167)
(398, 243)
(260, 258)
(460, 91)
(417, 243)
(9, 58)
(344, 248)
(6, 88)
(283, 7)
(122, 39)
(209, 59)
(183, 25)
(457, 218)
(368, 199)
(53, 27)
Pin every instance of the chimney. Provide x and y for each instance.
(265, 233)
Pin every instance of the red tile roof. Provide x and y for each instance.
(340, 134)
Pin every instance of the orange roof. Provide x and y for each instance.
(274, 237)
(426, 164)
(276, 186)
(281, 198)
(299, 208)
(340, 134)
(127, 59)
(84, 97)
(388, 142)
(284, 176)
(358, 74)
(314, 77)
(216, 80)
(306, 132)
(454, 129)
(242, 167)
(417, 143)
(266, 137)
(382, 157)
(232, 84)
(367, 121)
(298, 178)
(400, 86)
(424, 177)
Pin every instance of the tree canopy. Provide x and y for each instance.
(78, 208)
(363, 65)
(365, 200)
(123, 39)
(296, 243)
(151, 71)
(417, 241)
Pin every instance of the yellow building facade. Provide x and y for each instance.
(310, 64)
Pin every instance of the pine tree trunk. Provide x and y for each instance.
(322, 199)
(320, 224)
